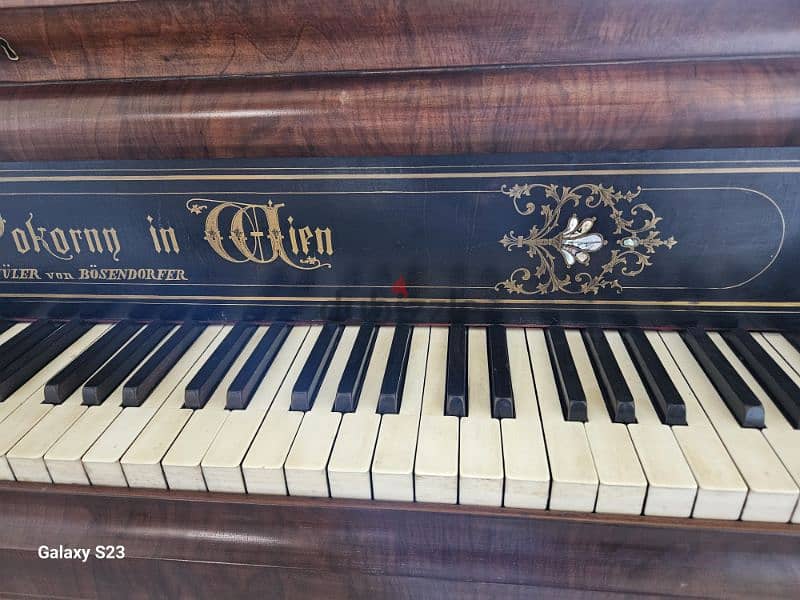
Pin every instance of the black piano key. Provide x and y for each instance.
(353, 377)
(499, 373)
(113, 373)
(305, 389)
(616, 392)
(26, 339)
(570, 391)
(395, 374)
(734, 392)
(211, 373)
(149, 375)
(252, 372)
(69, 379)
(32, 361)
(665, 397)
(781, 388)
(456, 403)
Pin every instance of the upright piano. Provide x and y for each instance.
(423, 299)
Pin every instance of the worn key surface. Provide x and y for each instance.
(25, 340)
(137, 389)
(667, 400)
(782, 389)
(734, 392)
(353, 378)
(570, 392)
(209, 376)
(32, 361)
(248, 379)
(395, 374)
(113, 373)
(307, 386)
(499, 374)
(616, 392)
(456, 402)
(63, 384)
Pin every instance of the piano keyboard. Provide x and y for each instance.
(691, 423)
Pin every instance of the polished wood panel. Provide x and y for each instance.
(676, 105)
(202, 545)
(177, 38)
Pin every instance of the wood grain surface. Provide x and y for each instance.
(664, 105)
(204, 545)
(177, 38)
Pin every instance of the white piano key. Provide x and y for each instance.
(21, 411)
(353, 450)
(102, 461)
(308, 457)
(27, 457)
(263, 464)
(671, 486)
(721, 491)
(784, 439)
(23, 408)
(574, 478)
(63, 459)
(141, 463)
(222, 463)
(772, 494)
(393, 463)
(480, 464)
(436, 463)
(781, 437)
(12, 331)
(623, 485)
(181, 463)
(527, 473)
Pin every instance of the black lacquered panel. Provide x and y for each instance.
(622, 239)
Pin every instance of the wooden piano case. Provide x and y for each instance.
(217, 79)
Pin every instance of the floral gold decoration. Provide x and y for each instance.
(552, 242)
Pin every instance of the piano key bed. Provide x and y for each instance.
(312, 449)
(670, 424)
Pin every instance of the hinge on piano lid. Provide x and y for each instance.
(10, 53)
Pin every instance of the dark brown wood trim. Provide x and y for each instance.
(177, 38)
(660, 105)
(362, 547)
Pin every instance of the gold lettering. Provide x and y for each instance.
(246, 235)
(305, 235)
(75, 236)
(324, 241)
(60, 241)
(163, 238)
(20, 241)
(112, 242)
(64, 245)
(93, 240)
(293, 236)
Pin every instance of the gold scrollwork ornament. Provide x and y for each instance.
(575, 241)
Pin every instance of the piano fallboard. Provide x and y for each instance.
(651, 238)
